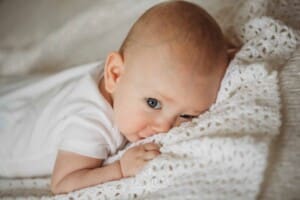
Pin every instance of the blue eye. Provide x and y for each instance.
(153, 103)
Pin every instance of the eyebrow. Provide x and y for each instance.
(164, 97)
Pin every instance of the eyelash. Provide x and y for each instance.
(187, 116)
(184, 116)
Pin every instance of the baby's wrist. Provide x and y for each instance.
(120, 168)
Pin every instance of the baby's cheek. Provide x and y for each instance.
(130, 121)
(137, 121)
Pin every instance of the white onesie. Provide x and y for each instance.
(63, 111)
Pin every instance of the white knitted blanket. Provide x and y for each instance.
(223, 153)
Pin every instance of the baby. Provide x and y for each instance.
(167, 71)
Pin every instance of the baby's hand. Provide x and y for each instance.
(136, 157)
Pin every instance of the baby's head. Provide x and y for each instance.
(167, 71)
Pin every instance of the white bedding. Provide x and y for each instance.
(208, 156)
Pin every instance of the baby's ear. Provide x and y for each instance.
(113, 70)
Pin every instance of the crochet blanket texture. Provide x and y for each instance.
(223, 153)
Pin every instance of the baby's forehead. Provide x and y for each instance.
(176, 58)
(182, 61)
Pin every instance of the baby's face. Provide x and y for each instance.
(159, 90)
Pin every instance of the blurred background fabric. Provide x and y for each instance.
(44, 36)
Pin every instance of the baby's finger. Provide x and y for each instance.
(151, 146)
(149, 155)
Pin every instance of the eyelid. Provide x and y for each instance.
(188, 116)
(195, 116)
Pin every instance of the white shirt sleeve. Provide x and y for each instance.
(88, 127)
(86, 136)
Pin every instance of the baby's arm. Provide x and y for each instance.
(73, 171)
